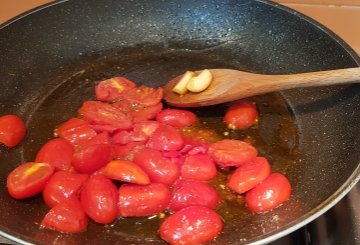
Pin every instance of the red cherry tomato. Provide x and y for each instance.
(76, 131)
(68, 216)
(176, 117)
(12, 130)
(89, 158)
(191, 225)
(143, 96)
(249, 174)
(140, 114)
(127, 151)
(28, 179)
(61, 186)
(232, 152)
(99, 198)
(269, 194)
(193, 193)
(58, 152)
(159, 168)
(126, 171)
(143, 200)
(165, 138)
(241, 115)
(198, 167)
(111, 89)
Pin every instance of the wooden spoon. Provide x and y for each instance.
(229, 85)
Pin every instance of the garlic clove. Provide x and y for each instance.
(181, 86)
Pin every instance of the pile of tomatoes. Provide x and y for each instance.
(127, 156)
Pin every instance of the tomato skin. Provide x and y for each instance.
(229, 152)
(241, 115)
(68, 216)
(269, 194)
(126, 171)
(249, 174)
(198, 167)
(127, 151)
(191, 225)
(28, 179)
(12, 130)
(76, 131)
(165, 138)
(61, 186)
(99, 198)
(176, 117)
(140, 114)
(111, 89)
(58, 152)
(159, 168)
(143, 96)
(142, 200)
(193, 193)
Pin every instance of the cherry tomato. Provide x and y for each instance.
(176, 117)
(126, 171)
(159, 168)
(89, 158)
(249, 174)
(198, 167)
(241, 115)
(193, 193)
(101, 138)
(58, 152)
(143, 96)
(143, 200)
(191, 225)
(229, 152)
(76, 131)
(111, 89)
(61, 186)
(127, 151)
(269, 194)
(165, 138)
(99, 198)
(12, 130)
(67, 216)
(28, 179)
(140, 114)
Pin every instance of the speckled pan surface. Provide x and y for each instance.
(51, 58)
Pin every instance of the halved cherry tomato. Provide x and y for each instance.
(127, 151)
(159, 168)
(143, 96)
(165, 138)
(176, 117)
(12, 130)
(241, 115)
(126, 171)
(67, 216)
(249, 174)
(61, 186)
(193, 193)
(76, 131)
(58, 152)
(28, 179)
(140, 114)
(269, 194)
(111, 89)
(229, 152)
(141, 132)
(101, 138)
(99, 198)
(198, 167)
(143, 200)
(191, 225)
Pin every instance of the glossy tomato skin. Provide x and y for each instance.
(165, 138)
(143, 200)
(127, 151)
(126, 171)
(191, 225)
(176, 117)
(58, 152)
(198, 167)
(269, 194)
(67, 216)
(12, 130)
(111, 89)
(193, 193)
(28, 179)
(249, 174)
(230, 152)
(241, 115)
(99, 198)
(61, 186)
(76, 131)
(159, 168)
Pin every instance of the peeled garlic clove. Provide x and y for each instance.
(181, 86)
(200, 82)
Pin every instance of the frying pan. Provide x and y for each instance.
(51, 58)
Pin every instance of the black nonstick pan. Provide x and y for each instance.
(50, 60)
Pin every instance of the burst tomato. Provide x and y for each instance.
(241, 115)
(111, 89)
(176, 117)
(165, 138)
(127, 151)
(12, 130)
(143, 96)
(140, 114)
